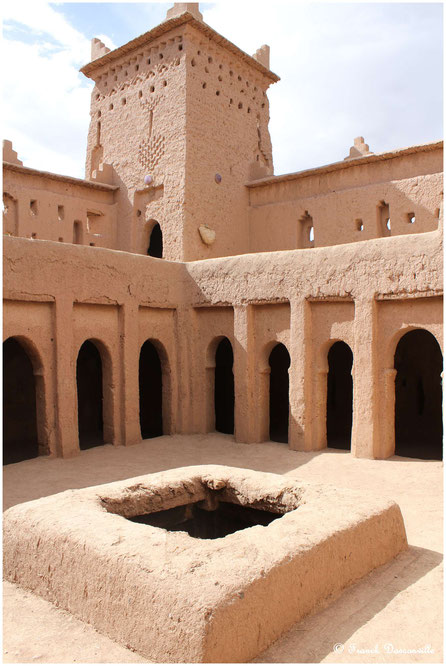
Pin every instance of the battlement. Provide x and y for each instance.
(176, 21)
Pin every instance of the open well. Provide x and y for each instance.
(198, 564)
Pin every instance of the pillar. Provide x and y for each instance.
(365, 431)
(299, 432)
(129, 431)
(246, 427)
(65, 394)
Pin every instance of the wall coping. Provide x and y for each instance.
(338, 166)
(56, 176)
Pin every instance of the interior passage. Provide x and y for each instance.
(279, 402)
(156, 242)
(150, 392)
(19, 405)
(224, 388)
(339, 396)
(89, 396)
(418, 397)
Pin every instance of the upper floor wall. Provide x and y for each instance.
(46, 206)
(374, 196)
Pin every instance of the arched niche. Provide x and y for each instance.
(339, 396)
(279, 402)
(418, 363)
(22, 399)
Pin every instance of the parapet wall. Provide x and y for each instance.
(370, 197)
(47, 206)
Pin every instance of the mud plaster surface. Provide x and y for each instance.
(398, 604)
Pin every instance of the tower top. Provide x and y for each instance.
(182, 7)
(180, 14)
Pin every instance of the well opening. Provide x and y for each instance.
(207, 520)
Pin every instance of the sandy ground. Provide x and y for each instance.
(392, 615)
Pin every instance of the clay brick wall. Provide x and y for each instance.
(42, 207)
(345, 201)
(227, 137)
(138, 109)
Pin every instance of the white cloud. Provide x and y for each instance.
(347, 70)
(105, 39)
(46, 101)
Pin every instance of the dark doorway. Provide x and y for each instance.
(19, 405)
(150, 392)
(279, 402)
(339, 396)
(224, 388)
(156, 242)
(89, 396)
(418, 397)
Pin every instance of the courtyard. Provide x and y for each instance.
(393, 615)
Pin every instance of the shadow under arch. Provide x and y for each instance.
(418, 364)
(154, 390)
(279, 400)
(155, 240)
(94, 380)
(339, 395)
(220, 394)
(24, 433)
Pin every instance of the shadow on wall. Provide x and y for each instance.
(393, 213)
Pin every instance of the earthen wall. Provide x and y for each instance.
(46, 207)
(345, 203)
(138, 118)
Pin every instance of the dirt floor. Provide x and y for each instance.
(393, 615)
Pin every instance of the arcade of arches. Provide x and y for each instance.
(418, 396)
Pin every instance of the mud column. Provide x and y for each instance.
(65, 396)
(365, 429)
(129, 431)
(299, 433)
(246, 409)
(188, 413)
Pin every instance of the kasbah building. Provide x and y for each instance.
(183, 290)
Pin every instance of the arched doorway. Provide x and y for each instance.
(418, 396)
(339, 396)
(155, 248)
(279, 402)
(20, 441)
(150, 392)
(224, 388)
(89, 396)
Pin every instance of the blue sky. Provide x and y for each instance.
(350, 69)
